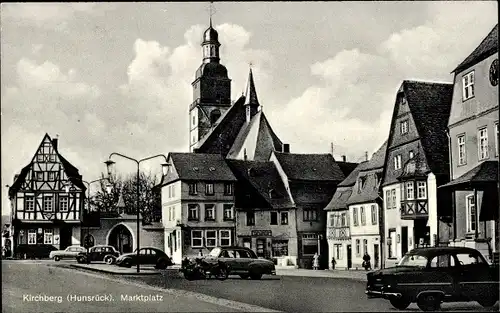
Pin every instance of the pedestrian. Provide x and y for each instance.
(333, 262)
(200, 252)
(316, 261)
(366, 261)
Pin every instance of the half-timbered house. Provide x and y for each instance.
(47, 201)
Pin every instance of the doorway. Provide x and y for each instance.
(376, 255)
(349, 256)
(65, 236)
(404, 240)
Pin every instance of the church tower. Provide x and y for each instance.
(211, 90)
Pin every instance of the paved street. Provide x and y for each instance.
(51, 284)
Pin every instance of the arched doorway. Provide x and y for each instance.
(89, 241)
(120, 237)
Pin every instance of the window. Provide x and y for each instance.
(471, 213)
(343, 217)
(63, 204)
(374, 215)
(388, 204)
(52, 176)
(194, 117)
(228, 189)
(365, 245)
(391, 244)
(496, 139)
(469, 259)
(338, 251)
(30, 203)
(211, 238)
(355, 216)
(193, 188)
(468, 86)
(173, 191)
(358, 247)
(209, 189)
(393, 200)
(193, 212)
(48, 235)
(363, 216)
(228, 212)
(52, 158)
(332, 219)
(441, 261)
(411, 154)
(32, 236)
(462, 156)
(39, 176)
(410, 191)
(279, 248)
(196, 238)
(250, 218)
(421, 190)
(397, 162)
(194, 139)
(274, 218)
(224, 238)
(209, 212)
(483, 143)
(40, 158)
(404, 127)
(47, 203)
(284, 218)
(310, 215)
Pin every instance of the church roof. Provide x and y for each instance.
(312, 167)
(210, 35)
(487, 47)
(211, 69)
(251, 93)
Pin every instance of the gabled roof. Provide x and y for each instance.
(71, 171)
(487, 47)
(312, 167)
(347, 167)
(339, 199)
(350, 180)
(430, 105)
(264, 178)
(378, 158)
(200, 167)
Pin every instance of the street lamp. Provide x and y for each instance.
(110, 165)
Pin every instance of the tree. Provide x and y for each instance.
(126, 187)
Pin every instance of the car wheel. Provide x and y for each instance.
(429, 302)
(244, 276)
(487, 302)
(57, 259)
(161, 265)
(127, 263)
(400, 303)
(109, 260)
(80, 260)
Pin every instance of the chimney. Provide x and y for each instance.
(366, 155)
(331, 148)
(54, 143)
(286, 148)
(344, 158)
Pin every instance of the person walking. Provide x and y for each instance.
(366, 261)
(316, 261)
(333, 262)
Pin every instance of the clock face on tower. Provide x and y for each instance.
(494, 73)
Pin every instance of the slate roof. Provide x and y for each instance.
(264, 178)
(487, 47)
(200, 167)
(350, 180)
(415, 167)
(347, 167)
(339, 199)
(485, 173)
(378, 157)
(312, 167)
(70, 170)
(430, 105)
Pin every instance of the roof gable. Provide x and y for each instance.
(350, 180)
(487, 47)
(339, 199)
(366, 188)
(312, 167)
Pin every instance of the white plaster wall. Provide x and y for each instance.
(432, 222)
(76, 236)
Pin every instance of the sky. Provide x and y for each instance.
(116, 77)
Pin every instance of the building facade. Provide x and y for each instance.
(47, 202)
(473, 141)
(416, 163)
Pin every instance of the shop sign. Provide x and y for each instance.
(262, 233)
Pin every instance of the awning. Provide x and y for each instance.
(484, 175)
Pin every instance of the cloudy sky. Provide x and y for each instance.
(117, 77)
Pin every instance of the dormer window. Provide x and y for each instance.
(411, 155)
(468, 86)
(404, 127)
(397, 162)
(209, 189)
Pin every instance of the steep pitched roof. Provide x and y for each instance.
(251, 94)
(200, 166)
(264, 178)
(313, 167)
(487, 47)
(347, 167)
(70, 170)
(430, 105)
(350, 180)
(378, 157)
(339, 199)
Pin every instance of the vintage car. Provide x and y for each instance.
(241, 261)
(431, 276)
(68, 253)
(107, 254)
(147, 256)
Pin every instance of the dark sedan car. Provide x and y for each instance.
(430, 276)
(147, 256)
(107, 254)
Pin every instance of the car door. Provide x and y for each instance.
(441, 275)
(243, 259)
(143, 257)
(151, 256)
(94, 253)
(475, 280)
(228, 257)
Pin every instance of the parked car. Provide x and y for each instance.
(39, 251)
(147, 256)
(430, 276)
(101, 253)
(68, 253)
(241, 261)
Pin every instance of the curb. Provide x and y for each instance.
(93, 269)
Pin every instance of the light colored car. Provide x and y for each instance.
(68, 253)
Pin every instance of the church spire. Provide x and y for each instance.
(251, 95)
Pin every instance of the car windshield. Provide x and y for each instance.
(215, 252)
(413, 260)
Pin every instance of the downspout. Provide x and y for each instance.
(453, 202)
